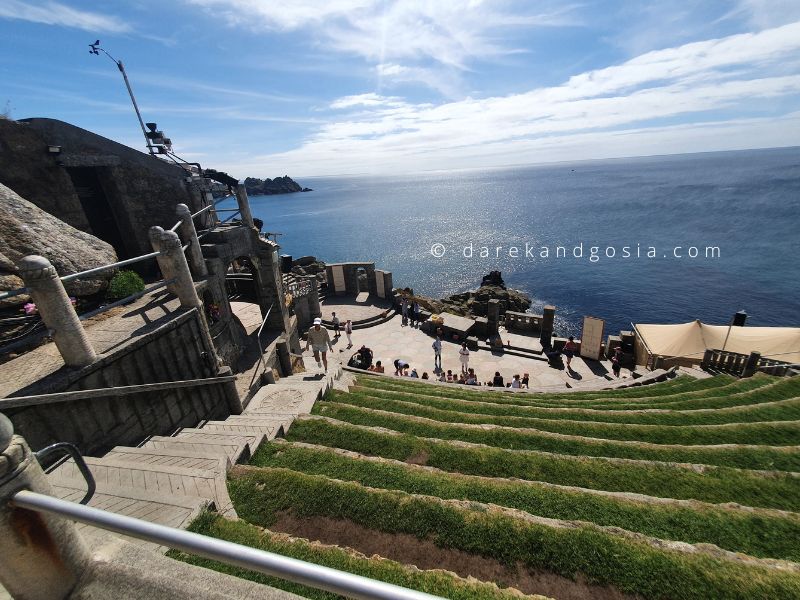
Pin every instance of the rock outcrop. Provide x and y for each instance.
(279, 185)
(309, 265)
(475, 303)
(26, 229)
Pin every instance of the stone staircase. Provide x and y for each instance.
(169, 480)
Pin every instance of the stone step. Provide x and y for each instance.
(250, 441)
(209, 460)
(163, 509)
(168, 480)
(233, 450)
(285, 399)
(269, 429)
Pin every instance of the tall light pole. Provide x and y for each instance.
(96, 49)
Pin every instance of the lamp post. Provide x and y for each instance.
(153, 149)
(738, 319)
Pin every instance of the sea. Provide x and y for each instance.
(664, 239)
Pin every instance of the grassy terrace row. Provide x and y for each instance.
(776, 403)
(633, 566)
(746, 457)
(714, 397)
(713, 485)
(438, 583)
(644, 393)
(780, 433)
(760, 534)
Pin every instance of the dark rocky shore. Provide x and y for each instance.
(279, 185)
(475, 303)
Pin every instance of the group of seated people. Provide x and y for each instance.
(516, 382)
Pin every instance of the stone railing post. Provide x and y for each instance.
(56, 310)
(244, 205)
(189, 233)
(172, 262)
(43, 555)
(314, 308)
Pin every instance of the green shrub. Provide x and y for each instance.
(124, 284)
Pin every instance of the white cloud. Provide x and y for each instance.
(55, 13)
(404, 37)
(766, 13)
(597, 113)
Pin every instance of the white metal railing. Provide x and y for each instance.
(268, 563)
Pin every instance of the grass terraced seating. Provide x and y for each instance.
(759, 533)
(438, 583)
(781, 432)
(687, 488)
(712, 484)
(644, 567)
(743, 457)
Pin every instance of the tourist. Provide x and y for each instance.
(335, 321)
(348, 331)
(471, 379)
(410, 312)
(320, 342)
(525, 381)
(570, 349)
(405, 370)
(449, 376)
(615, 362)
(425, 375)
(377, 368)
(515, 382)
(442, 377)
(414, 374)
(404, 310)
(498, 380)
(415, 312)
(437, 353)
(399, 365)
(365, 354)
(461, 379)
(463, 355)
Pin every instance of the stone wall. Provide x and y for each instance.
(179, 350)
(94, 184)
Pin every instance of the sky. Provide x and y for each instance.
(334, 87)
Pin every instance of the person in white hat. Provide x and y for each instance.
(320, 342)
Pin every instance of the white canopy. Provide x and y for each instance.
(693, 339)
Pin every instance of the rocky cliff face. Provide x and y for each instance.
(279, 185)
(26, 229)
(475, 303)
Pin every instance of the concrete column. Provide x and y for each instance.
(387, 284)
(189, 234)
(172, 262)
(284, 359)
(56, 310)
(43, 555)
(493, 315)
(244, 205)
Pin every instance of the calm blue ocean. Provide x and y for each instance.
(747, 204)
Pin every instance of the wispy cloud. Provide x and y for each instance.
(746, 73)
(412, 39)
(55, 13)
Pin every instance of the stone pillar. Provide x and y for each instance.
(548, 322)
(244, 205)
(314, 308)
(189, 234)
(387, 284)
(493, 315)
(751, 364)
(43, 555)
(56, 310)
(172, 262)
(284, 358)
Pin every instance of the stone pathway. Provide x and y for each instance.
(348, 307)
(170, 480)
(107, 331)
(390, 341)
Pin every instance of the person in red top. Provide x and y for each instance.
(570, 350)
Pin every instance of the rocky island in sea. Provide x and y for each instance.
(279, 185)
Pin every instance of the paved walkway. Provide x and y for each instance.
(390, 341)
(347, 307)
(106, 332)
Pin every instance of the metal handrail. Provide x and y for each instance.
(126, 299)
(260, 347)
(77, 457)
(268, 563)
(121, 263)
